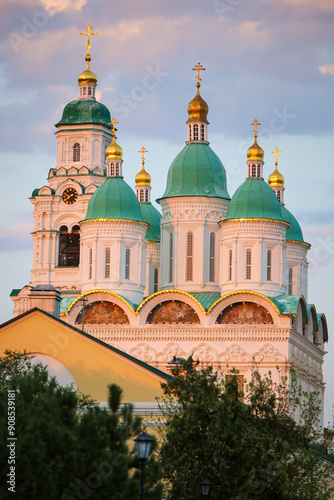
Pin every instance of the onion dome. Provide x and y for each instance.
(196, 171)
(198, 108)
(294, 232)
(81, 111)
(114, 199)
(87, 76)
(114, 151)
(254, 199)
(143, 178)
(151, 215)
(255, 152)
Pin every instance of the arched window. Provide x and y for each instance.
(141, 195)
(156, 280)
(112, 169)
(212, 257)
(69, 247)
(90, 269)
(230, 265)
(189, 128)
(202, 132)
(269, 265)
(89, 90)
(76, 152)
(259, 171)
(107, 263)
(189, 257)
(278, 194)
(253, 170)
(117, 169)
(127, 264)
(146, 195)
(171, 255)
(248, 264)
(195, 132)
(290, 280)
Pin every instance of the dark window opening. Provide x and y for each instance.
(69, 247)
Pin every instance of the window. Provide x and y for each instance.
(189, 132)
(112, 169)
(202, 132)
(146, 195)
(156, 280)
(269, 265)
(89, 90)
(90, 275)
(195, 132)
(278, 194)
(117, 169)
(69, 247)
(141, 195)
(230, 265)
(290, 280)
(248, 264)
(259, 171)
(76, 152)
(127, 264)
(253, 170)
(107, 263)
(189, 257)
(240, 379)
(212, 257)
(171, 252)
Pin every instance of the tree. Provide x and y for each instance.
(66, 447)
(247, 451)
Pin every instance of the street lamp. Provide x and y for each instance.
(205, 485)
(143, 445)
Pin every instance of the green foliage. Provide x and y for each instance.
(67, 447)
(247, 451)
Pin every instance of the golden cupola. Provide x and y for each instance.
(276, 179)
(114, 155)
(143, 178)
(87, 76)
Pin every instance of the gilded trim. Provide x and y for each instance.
(102, 219)
(97, 291)
(243, 219)
(241, 292)
(169, 291)
(308, 245)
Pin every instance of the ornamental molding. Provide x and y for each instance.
(112, 227)
(306, 367)
(115, 333)
(193, 208)
(253, 228)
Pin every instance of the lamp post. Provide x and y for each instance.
(205, 485)
(143, 445)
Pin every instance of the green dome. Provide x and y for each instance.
(85, 111)
(254, 199)
(196, 171)
(114, 199)
(294, 232)
(151, 215)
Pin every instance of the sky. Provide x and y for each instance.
(267, 59)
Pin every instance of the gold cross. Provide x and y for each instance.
(198, 68)
(113, 123)
(255, 123)
(275, 152)
(143, 151)
(89, 29)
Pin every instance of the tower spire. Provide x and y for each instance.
(87, 79)
(276, 179)
(114, 154)
(143, 180)
(197, 111)
(255, 156)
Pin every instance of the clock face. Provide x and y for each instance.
(70, 195)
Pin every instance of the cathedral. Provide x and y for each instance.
(222, 278)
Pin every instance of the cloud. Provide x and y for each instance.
(55, 6)
(16, 238)
(327, 69)
(326, 5)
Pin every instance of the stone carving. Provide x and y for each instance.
(234, 353)
(103, 313)
(172, 349)
(173, 312)
(143, 352)
(245, 312)
(269, 353)
(203, 352)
